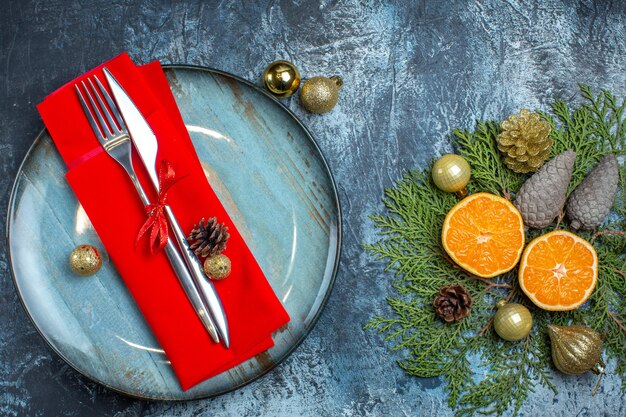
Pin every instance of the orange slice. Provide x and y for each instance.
(484, 234)
(559, 271)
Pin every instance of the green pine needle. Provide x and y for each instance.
(410, 246)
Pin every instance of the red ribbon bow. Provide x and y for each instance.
(157, 220)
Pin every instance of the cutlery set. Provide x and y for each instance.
(118, 125)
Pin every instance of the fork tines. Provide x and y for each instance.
(104, 130)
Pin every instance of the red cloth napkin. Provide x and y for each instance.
(111, 202)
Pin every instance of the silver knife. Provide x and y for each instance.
(147, 146)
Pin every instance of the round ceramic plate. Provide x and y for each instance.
(273, 181)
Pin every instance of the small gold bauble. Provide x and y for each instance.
(320, 94)
(451, 173)
(217, 267)
(281, 78)
(576, 349)
(512, 321)
(85, 260)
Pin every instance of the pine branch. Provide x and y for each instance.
(488, 171)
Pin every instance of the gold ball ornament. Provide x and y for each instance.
(451, 173)
(281, 78)
(217, 267)
(576, 349)
(512, 321)
(85, 260)
(320, 94)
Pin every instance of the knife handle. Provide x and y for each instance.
(204, 284)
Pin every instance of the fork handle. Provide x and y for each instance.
(204, 285)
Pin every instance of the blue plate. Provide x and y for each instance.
(272, 179)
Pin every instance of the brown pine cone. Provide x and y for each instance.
(210, 239)
(453, 303)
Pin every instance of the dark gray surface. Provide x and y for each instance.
(412, 71)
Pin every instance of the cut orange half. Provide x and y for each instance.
(559, 271)
(484, 234)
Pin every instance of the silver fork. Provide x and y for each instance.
(114, 138)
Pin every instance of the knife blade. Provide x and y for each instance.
(146, 145)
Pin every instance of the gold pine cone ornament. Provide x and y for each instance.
(525, 141)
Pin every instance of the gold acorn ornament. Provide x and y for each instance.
(85, 260)
(512, 321)
(217, 267)
(451, 173)
(576, 349)
(281, 78)
(320, 94)
(525, 141)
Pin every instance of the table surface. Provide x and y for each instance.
(412, 71)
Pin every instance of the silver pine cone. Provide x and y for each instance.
(592, 200)
(542, 196)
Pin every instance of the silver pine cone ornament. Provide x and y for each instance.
(208, 239)
(525, 141)
(591, 201)
(542, 196)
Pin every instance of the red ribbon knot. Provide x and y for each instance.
(156, 222)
